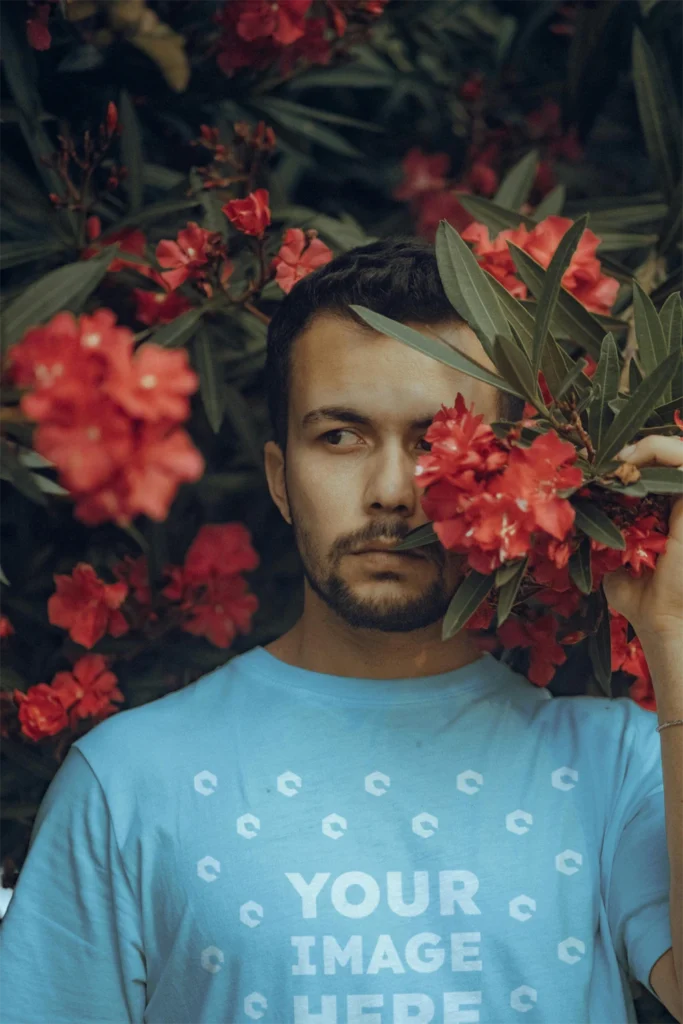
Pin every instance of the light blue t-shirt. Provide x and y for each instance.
(278, 845)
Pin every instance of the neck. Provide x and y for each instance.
(323, 642)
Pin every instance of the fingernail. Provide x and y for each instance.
(626, 452)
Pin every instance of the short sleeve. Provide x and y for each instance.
(70, 943)
(638, 889)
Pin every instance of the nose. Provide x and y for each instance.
(391, 485)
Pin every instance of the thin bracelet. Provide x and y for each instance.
(677, 721)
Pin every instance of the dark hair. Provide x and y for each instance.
(397, 277)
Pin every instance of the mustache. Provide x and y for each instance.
(433, 552)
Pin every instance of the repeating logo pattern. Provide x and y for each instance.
(456, 888)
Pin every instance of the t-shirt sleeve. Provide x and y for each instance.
(70, 942)
(638, 889)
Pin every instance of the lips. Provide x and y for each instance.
(389, 551)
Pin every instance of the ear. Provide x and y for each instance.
(274, 462)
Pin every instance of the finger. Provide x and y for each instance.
(656, 449)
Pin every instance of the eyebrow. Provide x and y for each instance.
(346, 415)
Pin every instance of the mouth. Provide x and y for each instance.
(389, 552)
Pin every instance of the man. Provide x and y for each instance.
(358, 822)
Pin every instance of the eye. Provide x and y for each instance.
(427, 443)
(331, 434)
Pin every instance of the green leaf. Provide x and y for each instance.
(600, 645)
(547, 300)
(309, 129)
(465, 602)
(176, 333)
(665, 413)
(596, 524)
(496, 218)
(637, 409)
(652, 344)
(514, 364)
(551, 205)
(467, 286)
(3, 578)
(580, 566)
(571, 378)
(237, 410)
(509, 590)
(606, 378)
(662, 479)
(210, 385)
(516, 185)
(15, 254)
(131, 152)
(419, 538)
(570, 319)
(65, 288)
(301, 110)
(670, 228)
(658, 123)
(671, 319)
(616, 241)
(433, 347)
(22, 478)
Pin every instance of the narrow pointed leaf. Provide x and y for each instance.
(570, 319)
(671, 319)
(552, 204)
(211, 390)
(656, 120)
(662, 479)
(652, 343)
(506, 572)
(596, 524)
(467, 286)
(496, 218)
(515, 367)
(580, 566)
(665, 413)
(623, 241)
(516, 185)
(177, 332)
(131, 151)
(637, 409)
(606, 377)
(465, 602)
(600, 646)
(65, 288)
(418, 538)
(508, 592)
(433, 347)
(551, 286)
(571, 378)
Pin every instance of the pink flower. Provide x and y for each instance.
(250, 215)
(296, 258)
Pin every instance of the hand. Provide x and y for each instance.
(653, 604)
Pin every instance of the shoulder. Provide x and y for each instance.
(150, 734)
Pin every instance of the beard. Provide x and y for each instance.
(395, 614)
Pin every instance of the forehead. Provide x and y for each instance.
(337, 362)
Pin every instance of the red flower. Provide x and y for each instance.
(134, 572)
(185, 256)
(87, 607)
(313, 47)
(583, 277)
(130, 240)
(88, 690)
(296, 259)
(546, 653)
(281, 20)
(154, 385)
(154, 308)
(422, 172)
(41, 712)
(219, 549)
(224, 609)
(628, 656)
(472, 88)
(645, 540)
(112, 120)
(6, 627)
(87, 444)
(250, 215)
(37, 32)
(464, 449)
(93, 228)
(433, 207)
(535, 475)
(480, 179)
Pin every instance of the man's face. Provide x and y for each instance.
(359, 406)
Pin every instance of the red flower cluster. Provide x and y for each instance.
(628, 656)
(87, 691)
(487, 498)
(583, 277)
(108, 416)
(210, 588)
(425, 187)
(251, 216)
(300, 253)
(496, 502)
(87, 607)
(259, 34)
